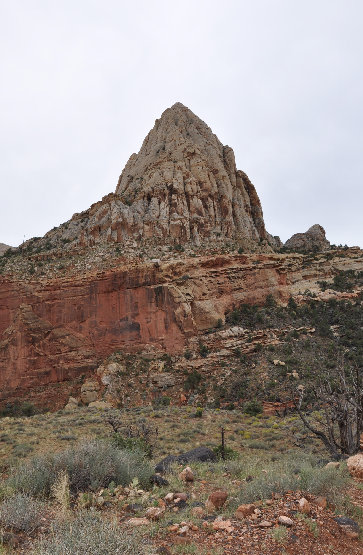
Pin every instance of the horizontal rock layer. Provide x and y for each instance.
(58, 329)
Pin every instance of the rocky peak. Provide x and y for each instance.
(313, 239)
(182, 187)
(186, 184)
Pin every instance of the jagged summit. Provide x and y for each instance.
(186, 183)
(182, 186)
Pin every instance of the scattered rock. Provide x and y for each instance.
(304, 506)
(163, 380)
(220, 524)
(158, 480)
(332, 464)
(197, 512)
(138, 521)
(244, 510)
(183, 530)
(321, 502)
(72, 404)
(169, 497)
(348, 526)
(218, 498)
(154, 513)
(187, 475)
(285, 521)
(181, 496)
(355, 466)
(265, 524)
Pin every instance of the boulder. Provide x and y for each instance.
(187, 475)
(163, 380)
(285, 521)
(244, 510)
(218, 498)
(72, 404)
(348, 526)
(89, 391)
(355, 466)
(312, 240)
(199, 454)
(304, 506)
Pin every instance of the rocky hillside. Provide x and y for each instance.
(151, 268)
(3, 248)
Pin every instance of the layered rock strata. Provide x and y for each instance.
(60, 329)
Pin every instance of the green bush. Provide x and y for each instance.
(89, 534)
(21, 513)
(226, 454)
(198, 412)
(252, 407)
(192, 380)
(18, 408)
(161, 401)
(89, 465)
(138, 444)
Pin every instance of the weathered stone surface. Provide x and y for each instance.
(348, 526)
(187, 474)
(312, 240)
(163, 380)
(183, 186)
(304, 506)
(201, 454)
(102, 405)
(89, 391)
(218, 498)
(244, 510)
(285, 520)
(72, 404)
(355, 466)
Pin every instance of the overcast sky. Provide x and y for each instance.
(280, 81)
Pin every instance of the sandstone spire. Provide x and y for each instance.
(186, 185)
(182, 187)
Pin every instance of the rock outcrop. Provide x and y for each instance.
(57, 330)
(312, 240)
(183, 186)
(3, 248)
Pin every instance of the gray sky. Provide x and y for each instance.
(280, 81)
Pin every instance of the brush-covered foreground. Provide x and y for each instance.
(68, 488)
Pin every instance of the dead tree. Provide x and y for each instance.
(339, 396)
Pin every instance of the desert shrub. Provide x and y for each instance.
(161, 401)
(21, 513)
(296, 472)
(89, 534)
(89, 465)
(198, 412)
(203, 350)
(192, 380)
(18, 408)
(226, 453)
(138, 444)
(252, 407)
